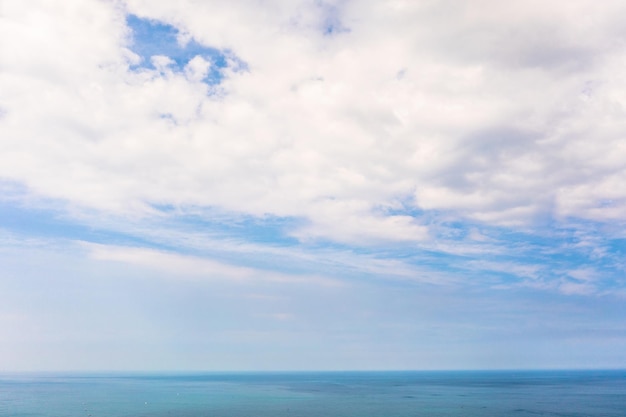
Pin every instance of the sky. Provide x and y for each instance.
(312, 185)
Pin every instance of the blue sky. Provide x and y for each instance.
(313, 185)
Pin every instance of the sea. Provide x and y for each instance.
(315, 394)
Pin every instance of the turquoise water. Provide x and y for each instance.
(312, 394)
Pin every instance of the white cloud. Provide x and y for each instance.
(577, 288)
(197, 68)
(522, 271)
(190, 267)
(585, 275)
(498, 113)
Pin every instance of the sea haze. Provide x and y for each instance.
(312, 394)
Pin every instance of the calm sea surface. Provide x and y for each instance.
(325, 394)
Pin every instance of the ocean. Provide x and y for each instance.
(316, 394)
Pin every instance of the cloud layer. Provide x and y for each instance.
(350, 115)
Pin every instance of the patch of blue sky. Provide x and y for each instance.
(565, 257)
(151, 38)
(36, 222)
(267, 242)
(255, 241)
(527, 253)
(272, 230)
(508, 256)
(618, 247)
(53, 224)
(233, 238)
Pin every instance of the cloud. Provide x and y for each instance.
(359, 123)
(577, 288)
(190, 267)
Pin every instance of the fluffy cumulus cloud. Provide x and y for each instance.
(365, 121)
